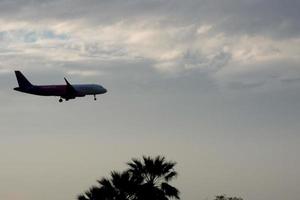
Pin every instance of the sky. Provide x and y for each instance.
(211, 84)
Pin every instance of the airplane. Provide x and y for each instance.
(67, 92)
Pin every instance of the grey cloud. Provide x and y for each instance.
(194, 59)
(273, 75)
(108, 51)
(268, 17)
(271, 18)
(243, 85)
(99, 12)
(231, 18)
(291, 80)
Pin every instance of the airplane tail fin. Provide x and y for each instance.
(22, 80)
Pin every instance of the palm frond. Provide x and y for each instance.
(170, 176)
(170, 191)
(82, 197)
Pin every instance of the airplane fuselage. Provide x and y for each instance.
(67, 91)
(61, 90)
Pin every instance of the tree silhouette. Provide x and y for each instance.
(153, 176)
(144, 180)
(223, 197)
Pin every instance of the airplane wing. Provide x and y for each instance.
(71, 91)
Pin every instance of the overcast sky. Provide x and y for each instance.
(211, 84)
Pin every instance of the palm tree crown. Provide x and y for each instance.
(146, 179)
(224, 197)
(153, 176)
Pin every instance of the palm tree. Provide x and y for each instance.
(144, 180)
(153, 176)
(223, 197)
(119, 187)
(93, 194)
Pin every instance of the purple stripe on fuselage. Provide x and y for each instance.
(50, 90)
(64, 91)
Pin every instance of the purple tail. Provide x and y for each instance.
(22, 80)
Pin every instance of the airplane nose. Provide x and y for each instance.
(104, 90)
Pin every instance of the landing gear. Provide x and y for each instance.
(95, 98)
(60, 100)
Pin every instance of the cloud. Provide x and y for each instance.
(266, 17)
(212, 37)
(84, 72)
